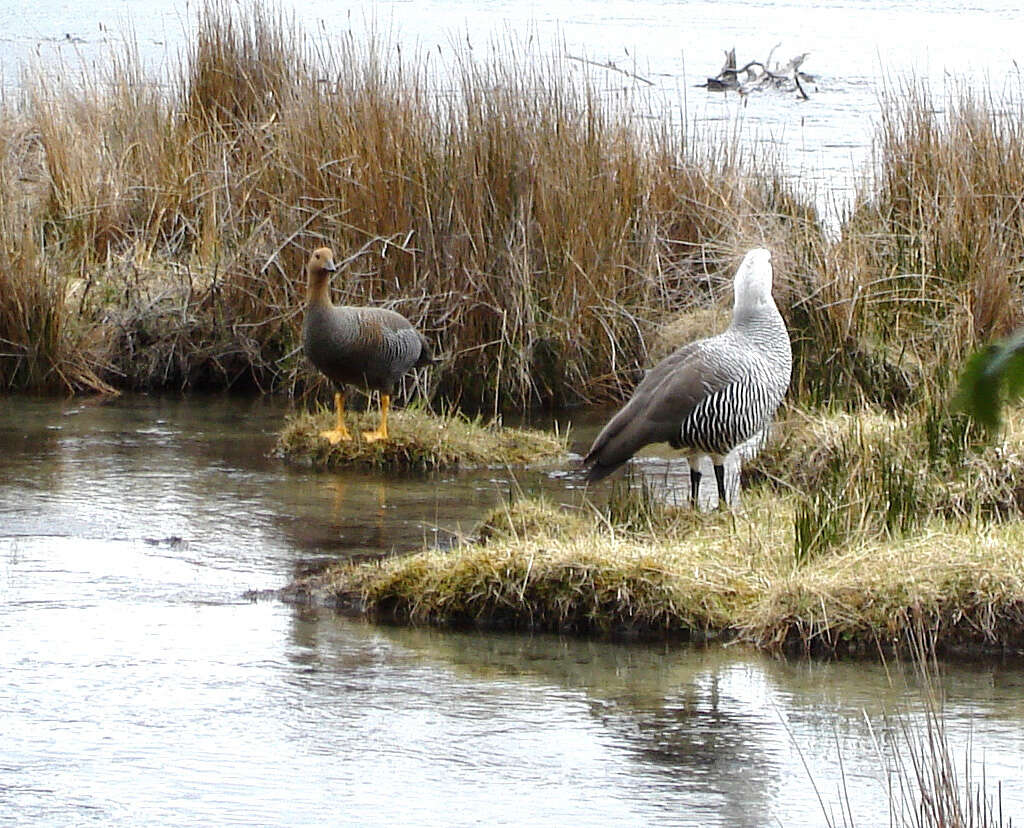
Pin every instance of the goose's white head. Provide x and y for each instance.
(753, 282)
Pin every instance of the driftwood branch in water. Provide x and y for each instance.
(611, 67)
(755, 76)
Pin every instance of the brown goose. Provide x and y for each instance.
(367, 347)
(709, 396)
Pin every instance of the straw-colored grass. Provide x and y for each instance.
(418, 441)
(530, 221)
(720, 575)
(855, 530)
(928, 263)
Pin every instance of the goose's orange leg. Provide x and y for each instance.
(381, 432)
(340, 431)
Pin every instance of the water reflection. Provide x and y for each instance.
(140, 689)
(155, 469)
(721, 732)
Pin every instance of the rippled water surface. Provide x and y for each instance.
(140, 688)
(137, 687)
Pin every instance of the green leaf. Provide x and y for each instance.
(992, 376)
(1014, 374)
(979, 394)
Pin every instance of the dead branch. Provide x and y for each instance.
(755, 76)
(612, 68)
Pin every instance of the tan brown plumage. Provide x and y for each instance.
(367, 347)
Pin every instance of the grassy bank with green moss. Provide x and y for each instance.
(418, 441)
(830, 553)
(718, 576)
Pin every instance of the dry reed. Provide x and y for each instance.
(525, 218)
(928, 263)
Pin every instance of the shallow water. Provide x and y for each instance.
(140, 688)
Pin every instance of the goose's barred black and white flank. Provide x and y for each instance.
(709, 396)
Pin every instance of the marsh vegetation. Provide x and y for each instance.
(553, 242)
(531, 221)
(550, 241)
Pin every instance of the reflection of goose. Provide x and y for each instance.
(368, 347)
(711, 395)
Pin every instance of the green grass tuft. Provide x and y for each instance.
(544, 567)
(418, 441)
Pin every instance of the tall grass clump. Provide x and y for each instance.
(881, 477)
(861, 486)
(41, 347)
(928, 264)
(524, 212)
(515, 207)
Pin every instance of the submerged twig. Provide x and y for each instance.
(612, 67)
